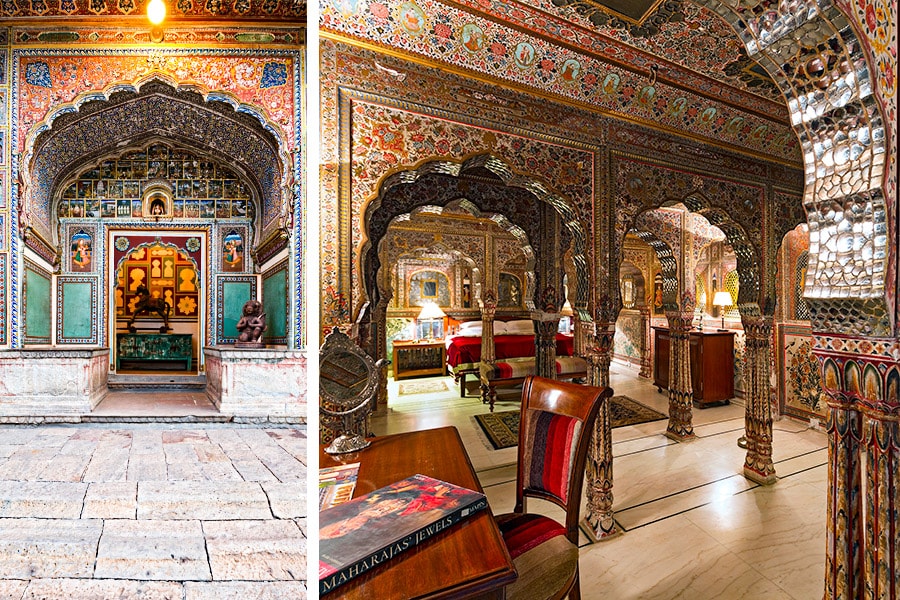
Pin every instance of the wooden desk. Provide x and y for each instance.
(470, 560)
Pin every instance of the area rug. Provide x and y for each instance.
(502, 428)
(408, 388)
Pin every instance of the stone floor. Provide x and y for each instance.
(153, 511)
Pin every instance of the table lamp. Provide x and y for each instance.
(722, 300)
(431, 312)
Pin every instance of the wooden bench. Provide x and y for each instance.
(513, 371)
(460, 372)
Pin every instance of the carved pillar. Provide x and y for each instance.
(583, 335)
(681, 395)
(488, 357)
(379, 322)
(546, 324)
(758, 464)
(598, 518)
(646, 367)
(600, 355)
(843, 553)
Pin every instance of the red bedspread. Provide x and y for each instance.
(461, 350)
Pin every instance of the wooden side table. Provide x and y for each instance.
(418, 359)
(712, 365)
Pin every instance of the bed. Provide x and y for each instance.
(512, 340)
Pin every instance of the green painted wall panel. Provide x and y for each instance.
(234, 295)
(275, 303)
(37, 305)
(76, 308)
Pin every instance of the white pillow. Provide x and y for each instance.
(500, 328)
(470, 332)
(470, 326)
(520, 327)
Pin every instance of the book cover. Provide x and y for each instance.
(336, 484)
(365, 532)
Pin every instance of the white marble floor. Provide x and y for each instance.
(693, 527)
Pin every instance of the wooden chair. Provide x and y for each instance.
(555, 428)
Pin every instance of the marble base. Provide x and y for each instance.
(52, 382)
(257, 383)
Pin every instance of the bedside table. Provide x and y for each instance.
(417, 359)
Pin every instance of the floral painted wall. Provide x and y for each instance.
(799, 386)
(629, 333)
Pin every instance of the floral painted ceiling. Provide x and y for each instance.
(678, 34)
(686, 34)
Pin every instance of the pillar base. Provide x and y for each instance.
(598, 533)
(760, 478)
(687, 437)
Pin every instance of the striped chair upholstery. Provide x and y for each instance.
(556, 421)
(549, 460)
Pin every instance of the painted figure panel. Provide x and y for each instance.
(81, 253)
(233, 252)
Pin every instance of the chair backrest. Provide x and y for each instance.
(555, 426)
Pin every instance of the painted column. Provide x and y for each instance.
(488, 358)
(681, 395)
(861, 378)
(646, 366)
(844, 576)
(758, 464)
(599, 517)
(882, 556)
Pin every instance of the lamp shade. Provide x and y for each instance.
(431, 311)
(567, 310)
(722, 298)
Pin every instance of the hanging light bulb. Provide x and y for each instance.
(156, 11)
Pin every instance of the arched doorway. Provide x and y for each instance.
(156, 169)
(162, 275)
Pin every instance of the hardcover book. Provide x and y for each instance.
(336, 484)
(368, 531)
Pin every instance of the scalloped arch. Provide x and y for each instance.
(484, 168)
(127, 114)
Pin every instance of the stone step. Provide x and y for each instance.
(216, 418)
(188, 383)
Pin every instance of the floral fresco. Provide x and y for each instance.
(801, 391)
(52, 78)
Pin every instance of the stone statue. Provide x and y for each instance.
(251, 325)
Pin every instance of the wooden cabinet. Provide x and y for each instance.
(417, 359)
(712, 364)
